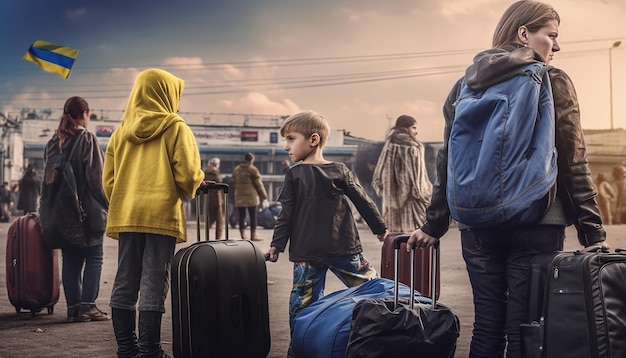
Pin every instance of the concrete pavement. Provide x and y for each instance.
(50, 336)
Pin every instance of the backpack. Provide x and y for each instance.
(502, 159)
(61, 211)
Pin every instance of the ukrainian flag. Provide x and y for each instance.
(52, 58)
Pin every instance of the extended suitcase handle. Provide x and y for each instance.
(397, 243)
(204, 188)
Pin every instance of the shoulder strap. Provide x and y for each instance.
(80, 135)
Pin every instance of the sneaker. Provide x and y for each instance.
(72, 313)
(94, 314)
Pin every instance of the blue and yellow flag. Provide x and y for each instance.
(52, 58)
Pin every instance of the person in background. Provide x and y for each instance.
(5, 202)
(249, 192)
(618, 173)
(82, 268)
(284, 165)
(363, 164)
(606, 197)
(152, 162)
(316, 219)
(213, 204)
(498, 259)
(29, 190)
(401, 178)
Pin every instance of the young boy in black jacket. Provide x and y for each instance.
(316, 217)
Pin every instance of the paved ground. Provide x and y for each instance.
(49, 336)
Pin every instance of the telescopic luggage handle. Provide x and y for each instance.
(397, 242)
(204, 189)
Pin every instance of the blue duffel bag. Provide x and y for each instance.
(322, 329)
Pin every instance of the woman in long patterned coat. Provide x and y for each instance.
(401, 178)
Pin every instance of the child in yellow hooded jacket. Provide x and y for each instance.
(152, 162)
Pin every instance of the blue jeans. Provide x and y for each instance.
(143, 265)
(309, 279)
(81, 273)
(498, 264)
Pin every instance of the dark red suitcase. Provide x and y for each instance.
(219, 297)
(32, 268)
(423, 266)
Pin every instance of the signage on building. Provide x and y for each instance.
(216, 137)
(249, 136)
(104, 131)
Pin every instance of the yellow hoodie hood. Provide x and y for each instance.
(152, 106)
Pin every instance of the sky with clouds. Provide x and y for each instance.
(360, 63)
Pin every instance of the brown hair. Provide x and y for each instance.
(307, 123)
(405, 121)
(72, 117)
(532, 14)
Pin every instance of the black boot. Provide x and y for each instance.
(124, 328)
(150, 335)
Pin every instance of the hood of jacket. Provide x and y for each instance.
(152, 106)
(498, 64)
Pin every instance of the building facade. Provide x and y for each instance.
(24, 138)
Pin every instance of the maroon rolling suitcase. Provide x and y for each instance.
(32, 268)
(423, 266)
(219, 297)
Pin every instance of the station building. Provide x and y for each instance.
(24, 138)
(230, 136)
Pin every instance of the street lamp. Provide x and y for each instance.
(615, 45)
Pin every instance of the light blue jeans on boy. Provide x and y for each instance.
(309, 279)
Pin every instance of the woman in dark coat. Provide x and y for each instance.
(29, 187)
(82, 267)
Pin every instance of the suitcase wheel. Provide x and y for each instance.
(18, 309)
(51, 310)
(34, 312)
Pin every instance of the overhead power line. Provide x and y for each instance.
(329, 77)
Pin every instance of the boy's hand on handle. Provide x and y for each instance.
(272, 254)
(420, 240)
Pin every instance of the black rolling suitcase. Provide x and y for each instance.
(393, 327)
(219, 297)
(584, 309)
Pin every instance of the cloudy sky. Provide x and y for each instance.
(360, 63)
